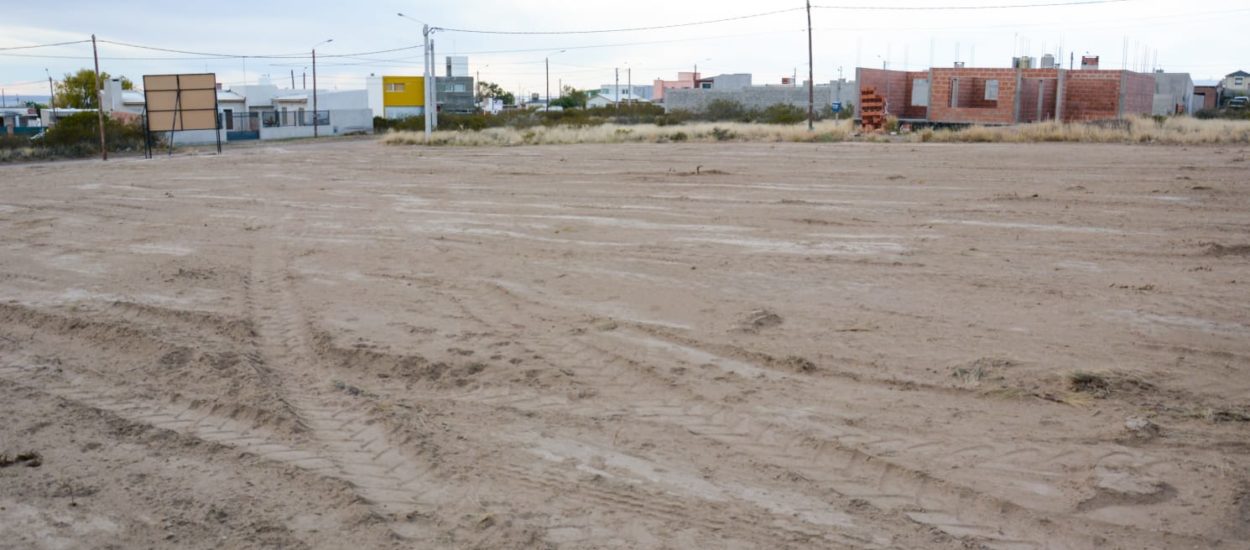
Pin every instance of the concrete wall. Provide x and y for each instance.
(1174, 94)
(731, 81)
(761, 97)
(346, 121)
(194, 137)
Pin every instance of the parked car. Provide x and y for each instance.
(1239, 102)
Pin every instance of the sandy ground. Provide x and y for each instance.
(324, 345)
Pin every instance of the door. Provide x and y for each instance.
(229, 114)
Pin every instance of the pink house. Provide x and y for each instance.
(685, 81)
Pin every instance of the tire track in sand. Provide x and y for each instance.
(393, 484)
(833, 457)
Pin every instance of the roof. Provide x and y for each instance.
(1238, 73)
(131, 97)
(227, 95)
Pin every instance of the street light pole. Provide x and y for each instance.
(811, 74)
(316, 118)
(431, 102)
(547, 64)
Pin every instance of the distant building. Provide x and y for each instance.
(1235, 84)
(685, 81)
(972, 95)
(20, 121)
(626, 92)
(1174, 94)
(396, 97)
(725, 82)
(261, 111)
(1206, 96)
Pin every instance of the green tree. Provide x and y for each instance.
(573, 98)
(495, 91)
(75, 91)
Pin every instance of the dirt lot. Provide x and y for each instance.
(343, 344)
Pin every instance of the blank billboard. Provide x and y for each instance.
(177, 102)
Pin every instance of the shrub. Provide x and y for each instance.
(783, 113)
(724, 109)
(722, 134)
(79, 135)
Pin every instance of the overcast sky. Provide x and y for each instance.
(1206, 39)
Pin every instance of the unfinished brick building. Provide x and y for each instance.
(1008, 96)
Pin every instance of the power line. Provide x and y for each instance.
(269, 56)
(958, 8)
(627, 29)
(43, 45)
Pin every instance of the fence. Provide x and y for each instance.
(284, 119)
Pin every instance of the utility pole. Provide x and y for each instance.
(292, 79)
(811, 72)
(434, 85)
(99, 100)
(314, 63)
(316, 118)
(629, 82)
(303, 77)
(617, 99)
(51, 95)
(547, 64)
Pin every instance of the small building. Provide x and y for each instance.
(1174, 94)
(627, 92)
(1206, 95)
(609, 101)
(396, 97)
(978, 95)
(1235, 84)
(685, 81)
(20, 121)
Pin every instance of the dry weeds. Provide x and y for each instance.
(1171, 131)
(825, 131)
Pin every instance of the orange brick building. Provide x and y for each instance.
(1009, 96)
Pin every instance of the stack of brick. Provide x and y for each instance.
(871, 109)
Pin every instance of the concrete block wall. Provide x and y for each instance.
(755, 97)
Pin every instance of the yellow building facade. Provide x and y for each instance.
(403, 91)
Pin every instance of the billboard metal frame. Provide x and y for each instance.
(158, 90)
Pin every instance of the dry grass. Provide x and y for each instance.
(826, 131)
(1171, 131)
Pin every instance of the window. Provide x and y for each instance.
(1239, 81)
(706, 85)
(459, 88)
(395, 87)
(991, 90)
(920, 92)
